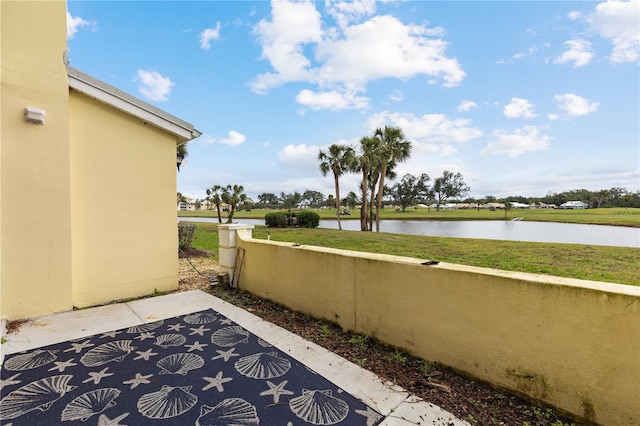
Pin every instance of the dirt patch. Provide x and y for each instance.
(470, 400)
(14, 326)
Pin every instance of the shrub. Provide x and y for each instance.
(186, 231)
(308, 219)
(275, 220)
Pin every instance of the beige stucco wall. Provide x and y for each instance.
(35, 212)
(571, 343)
(123, 204)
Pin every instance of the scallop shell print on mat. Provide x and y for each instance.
(319, 407)
(230, 412)
(201, 318)
(89, 404)
(263, 365)
(30, 360)
(168, 340)
(180, 363)
(170, 401)
(145, 327)
(38, 395)
(230, 336)
(106, 353)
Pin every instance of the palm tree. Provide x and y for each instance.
(181, 151)
(213, 196)
(233, 196)
(337, 159)
(395, 150)
(368, 163)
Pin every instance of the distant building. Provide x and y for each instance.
(517, 205)
(575, 205)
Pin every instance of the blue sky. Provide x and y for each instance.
(521, 97)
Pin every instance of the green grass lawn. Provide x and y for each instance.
(608, 216)
(598, 263)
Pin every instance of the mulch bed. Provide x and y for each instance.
(468, 399)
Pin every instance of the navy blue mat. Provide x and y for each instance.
(197, 369)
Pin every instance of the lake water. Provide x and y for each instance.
(548, 232)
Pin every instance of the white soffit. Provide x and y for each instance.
(118, 99)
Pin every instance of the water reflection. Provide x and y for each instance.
(549, 232)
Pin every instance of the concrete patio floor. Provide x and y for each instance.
(397, 405)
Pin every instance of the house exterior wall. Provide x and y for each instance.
(123, 189)
(35, 243)
(573, 344)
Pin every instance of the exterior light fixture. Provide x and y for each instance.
(179, 158)
(34, 115)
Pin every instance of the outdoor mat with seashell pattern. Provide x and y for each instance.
(196, 369)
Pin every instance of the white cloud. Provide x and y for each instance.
(209, 34)
(74, 23)
(300, 156)
(233, 139)
(396, 96)
(519, 108)
(384, 47)
(292, 26)
(530, 51)
(617, 21)
(579, 53)
(574, 15)
(333, 100)
(575, 105)
(301, 47)
(466, 106)
(345, 12)
(432, 133)
(206, 139)
(153, 85)
(525, 139)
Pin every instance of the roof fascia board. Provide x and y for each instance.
(120, 100)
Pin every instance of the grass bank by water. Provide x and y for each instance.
(588, 262)
(608, 216)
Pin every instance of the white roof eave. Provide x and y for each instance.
(122, 101)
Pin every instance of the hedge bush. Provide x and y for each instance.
(186, 231)
(275, 220)
(308, 219)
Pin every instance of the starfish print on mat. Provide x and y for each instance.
(103, 420)
(110, 334)
(225, 354)
(197, 346)
(216, 382)
(96, 377)
(145, 355)
(199, 331)
(10, 381)
(276, 391)
(138, 380)
(175, 327)
(78, 347)
(145, 335)
(372, 416)
(60, 366)
(226, 321)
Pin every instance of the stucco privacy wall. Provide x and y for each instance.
(123, 204)
(571, 343)
(35, 208)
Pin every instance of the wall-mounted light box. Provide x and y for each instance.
(34, 115)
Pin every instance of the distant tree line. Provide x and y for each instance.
(614, 197)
